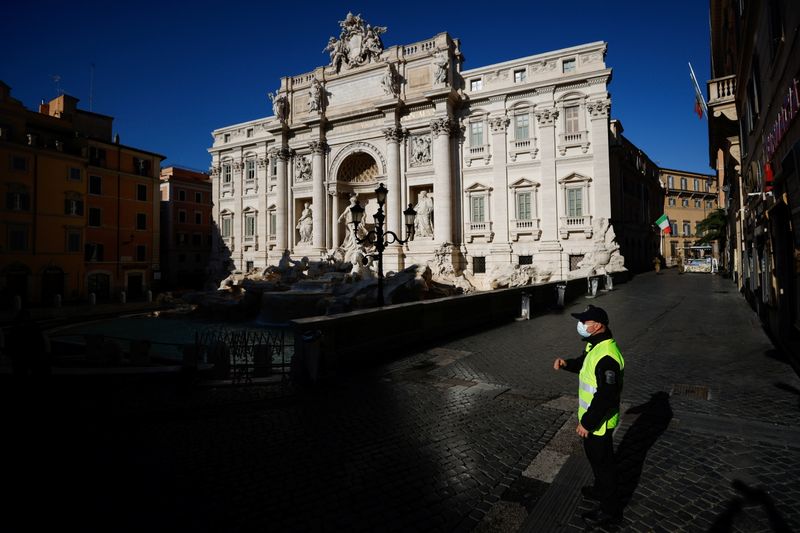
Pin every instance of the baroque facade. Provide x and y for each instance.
(508, 163)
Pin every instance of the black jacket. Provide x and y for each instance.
(609, 383)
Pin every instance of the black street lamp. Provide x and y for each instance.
(379, 238)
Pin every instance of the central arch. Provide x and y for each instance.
(360, 149)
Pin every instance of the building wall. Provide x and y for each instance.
(423, 139)
(61, 160)
(686, 206)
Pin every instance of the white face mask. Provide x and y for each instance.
(582, 331)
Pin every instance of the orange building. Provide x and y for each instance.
(81, 211)
(185, 227)
(689, 200)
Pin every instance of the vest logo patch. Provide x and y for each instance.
(611, 377)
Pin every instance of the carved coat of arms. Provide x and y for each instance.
(358, 43)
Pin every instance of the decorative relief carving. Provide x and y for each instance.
(358, 43)
(544, 66)
(441, 62)
(302, 169)
(420, 150)
(440, 126)
(237, 166)
(261, 162)
(499, 124)
(546, 117)
(599, 108)
(215, 170)
(591, 57)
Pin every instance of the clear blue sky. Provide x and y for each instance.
(170, 73)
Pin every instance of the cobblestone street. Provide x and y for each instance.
(474, 434)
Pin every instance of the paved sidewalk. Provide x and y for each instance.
(475, 434)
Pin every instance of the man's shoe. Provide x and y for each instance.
(599, 518)
(590, 493)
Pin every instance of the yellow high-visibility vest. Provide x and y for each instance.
(588, 381)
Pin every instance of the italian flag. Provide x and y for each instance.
(663, 223)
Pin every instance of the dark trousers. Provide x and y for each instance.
(600, 452)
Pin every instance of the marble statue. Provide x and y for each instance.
(280, 106)
(350, 243)
(423, 221)
(316, 96)
(441, 61)
(305, 224)
(390, 81)
(358, 43)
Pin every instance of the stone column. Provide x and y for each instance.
(499, 214)
(262, 230)
(394, 207)
(548, 256)
(215, 209)
(599, 112)
(238, 213)
(549, 190)
(281, 193)
(442, 181)
(318, 149)
(335, 212)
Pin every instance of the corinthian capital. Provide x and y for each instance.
(440, 126)
(599, 108)
(499, 124)
(318, 147)
(393, 134)
(546, 117)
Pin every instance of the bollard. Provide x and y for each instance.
(122, 297)
(609, 282)
(149, 297)
(591, 286)
(561, 289)
(92, 298)
(525, 311)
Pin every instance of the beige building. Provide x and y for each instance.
(689, 198)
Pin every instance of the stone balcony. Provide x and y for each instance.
(569, 225)
(525, 227)
(572, 140)
(523, 146)
(477, 153)
(722, 97)
(478, 230)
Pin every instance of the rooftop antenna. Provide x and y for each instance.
(91, 86)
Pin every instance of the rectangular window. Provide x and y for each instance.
(73, 207)
(97, 156)
(477, 208)
(520, 75)
(684, 186)
(226, 173)
(95, 185)
(93, 252)
(141, 221)
(521, 130)
(181, 238)
(141, 192)
(75, 174)
(671, 182)
(226, 138)
(249, 132)
(18, 201)
(709, 204)
(673, 227)
(524, 206)
(684, 203)
(19, 163)
(249, 224)
(708, 185)
(526, 260)
(197, 239)
(568, 66)
(687, 228)
(141, 252)
(273, 220)
(198, 198)
(248, 265)
(698, 203)
(476, 134)
(95, 217)
(198, 217)
(476, 85)
(182, 216)
(250, 169)
(696, 184)
(17, 238)
(73, 241)
(571, 119)
(671, 201)
(141, 167)
(574, 202)
(479, 265)
(181, 195)
(273, 166)
(226, 227)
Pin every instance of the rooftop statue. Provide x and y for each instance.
(358, 43)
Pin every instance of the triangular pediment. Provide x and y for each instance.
(574, 178)
(523, 183)
(477, 187)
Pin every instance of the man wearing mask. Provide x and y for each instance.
(601, 369)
